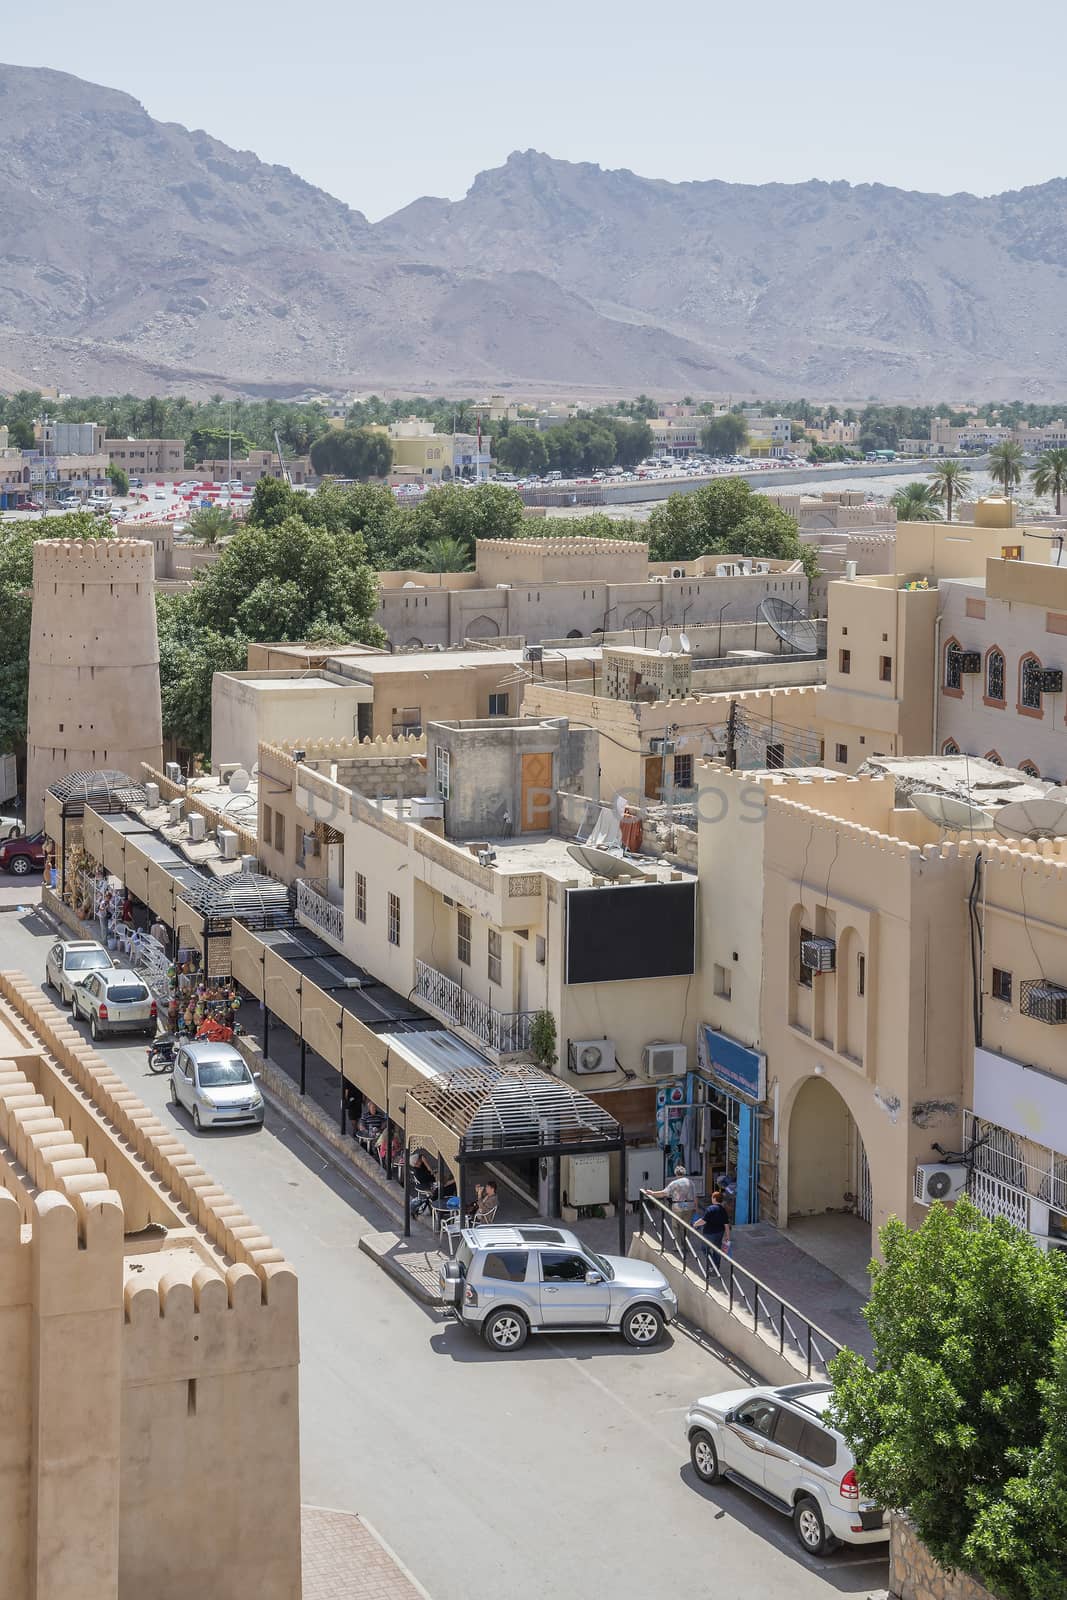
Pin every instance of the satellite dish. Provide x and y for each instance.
(683, 641)
(602, 863)
(791, 625)
(955, 816)
(1034, 819)
(239, 781)
(664, 646)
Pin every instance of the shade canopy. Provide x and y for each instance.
(514, 1111)
(106, 790)
(251, 896)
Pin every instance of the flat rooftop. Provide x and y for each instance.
(427, 661)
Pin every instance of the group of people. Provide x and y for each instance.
(713, 1219)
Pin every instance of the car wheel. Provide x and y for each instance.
(93, 1029)
(810, 1528)
(642, 1325)
(506, 1330)
(21, 865)
(197, 1124)
(173, 1094)
(704, 1456)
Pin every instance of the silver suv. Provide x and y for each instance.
(508, 1282)
(779, 1444)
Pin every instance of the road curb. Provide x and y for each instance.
(378, 1246)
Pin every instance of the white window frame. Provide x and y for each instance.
(443, 771)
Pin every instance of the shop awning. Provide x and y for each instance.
(105, 790)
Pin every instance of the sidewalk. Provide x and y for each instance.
(820, 1294)
(344, 1559)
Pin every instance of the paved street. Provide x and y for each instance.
(561, 1470)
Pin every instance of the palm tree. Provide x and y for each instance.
(210, 524)
(1050, 475)
(447, 555)
(916, 502)
(1006, 465)
(950, 480)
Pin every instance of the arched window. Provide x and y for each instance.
(952, 674)
(950, 748)
(575, 633)
(991, 755)
(1030, 768)
(1030, 686)
(994, 676)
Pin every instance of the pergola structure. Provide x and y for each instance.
(487, 1113)
(106, 791)
(249, 897)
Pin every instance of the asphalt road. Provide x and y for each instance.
(559, 1471)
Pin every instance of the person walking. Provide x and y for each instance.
(681, 1195)
(715, 1226)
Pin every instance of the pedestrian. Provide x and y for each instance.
(680, 1193)
(715, 1224)
(158, 931)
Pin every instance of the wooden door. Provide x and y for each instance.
(653, 777)
(536, 792)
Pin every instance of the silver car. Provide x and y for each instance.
(508, 1282)
(215, 1085)
(67, 964)
(115, 1001)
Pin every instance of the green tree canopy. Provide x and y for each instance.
(211, 523)
(1006, 465)
(725, 435)
(119, 479)
(352, 453)
(1050, 476)
(916, 502)
(447, 555)
(486, 511)
(725, 517)
(949, 481)
(963, 1421)
(215, 444)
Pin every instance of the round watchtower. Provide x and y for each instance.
(94, 663)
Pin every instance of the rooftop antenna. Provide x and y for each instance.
(664, 646)
(1034, 819)
(951, 814)
(793, 626)
(601, 863)
(683, 641)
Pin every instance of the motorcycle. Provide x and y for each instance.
(161, 1053)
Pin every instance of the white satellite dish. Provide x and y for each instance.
(601, 863)
(683, 641)
(664, 646)
(955, 816)
(239, 781)
(1033, 819)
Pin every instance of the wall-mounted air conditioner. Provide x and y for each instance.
(1043, 1001)
(175, 809)
(227, 844)
(250, 864)
(819, 955)
(585, 1180)
(197, 827)
(658, 577)
(677, 572)
(174, 772)
(936, 1181)
(665, 1061)
(151, 795)
(533, 652)
(1050, 680)
(592, 1055)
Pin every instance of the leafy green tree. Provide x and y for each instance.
(728, 518)
(725, 435)
(963, 1420)
(487, 511)
(447, 555)
(1006, 465)
(521, 450)
(950, 481)
(352, 453)
(119, 479)
(916, 502)
(633, 442)
(1050, 476)
(214, 444)
(211, 523)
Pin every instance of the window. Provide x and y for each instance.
(789, 1431)
(994, 757)
(683, 772)
(804, 978)
(994, 676)
(1030, 684)
(495, 952)
(841, 753)
(498, 705)
(759, 1416)
(723, 982)
(1011, 552)
(885, 668)
(279, 830)
(507, 1264)
(361, 897)
(407, 721)
(1030, 768)
(444, 773)
(539, 949)
(463, 937)
(950, 748)
(953, 674)
(394, 919)
(563, 1266)
(861, 975)
(818, 1446)
(774, 757)
(267, 823)
(1002, 985)
(844, 660)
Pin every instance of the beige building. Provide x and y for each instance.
(150, 1346)
(142, 458)
(94, 695)
(249, 469)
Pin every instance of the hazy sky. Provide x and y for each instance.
(380, 103)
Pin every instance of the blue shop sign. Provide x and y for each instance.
(734, 1066)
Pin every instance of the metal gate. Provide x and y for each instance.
(864, 1202)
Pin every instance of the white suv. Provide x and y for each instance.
(778, 1444)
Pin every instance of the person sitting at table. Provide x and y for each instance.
(485, 1203)
(423, 1182)
(370, 1122)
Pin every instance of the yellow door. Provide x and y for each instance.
(536, 792)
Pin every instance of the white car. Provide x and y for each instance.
(214, 1084)
(115, 1001)
(778, 1444)
(11, 827)
(67, 964)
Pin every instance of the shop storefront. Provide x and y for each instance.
(732, 1083)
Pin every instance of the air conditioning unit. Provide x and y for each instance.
(665, 1061)
(1043, 1001)
(677, 572)
(970, 661)
(175, 809)
(1050, 680)
(151, 795)
(819, 955)
(174, 772)
(658, 578)
(422, 806)
(533, 652)
(486, 858)
(227, 770)
(935, 1181)
(592, 1055)
(197, 827)
(250, 864)
(228, 843)
(585, 1180)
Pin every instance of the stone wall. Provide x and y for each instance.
(915, 1575)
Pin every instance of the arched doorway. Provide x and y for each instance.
(482, 628)
(828, 1180)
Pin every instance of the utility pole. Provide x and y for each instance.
(731, 737)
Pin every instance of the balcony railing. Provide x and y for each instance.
(503, 1033)
(313, 907)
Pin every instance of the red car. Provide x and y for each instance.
(23, 855)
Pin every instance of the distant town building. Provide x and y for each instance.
(143, 457)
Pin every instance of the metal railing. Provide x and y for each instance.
(506, 1033)
(313, 906)
(746, 1297)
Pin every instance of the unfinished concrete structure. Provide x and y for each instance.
(148, 1389)
(94, 696)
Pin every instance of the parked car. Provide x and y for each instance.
(779, 1444)
(215, 1085)
(115, 1001)
(508, 1282)
(10, 827)
(66, 965)
(23, 855)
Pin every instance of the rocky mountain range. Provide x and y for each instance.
(139, 255)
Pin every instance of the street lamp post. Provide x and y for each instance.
(723, 608)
